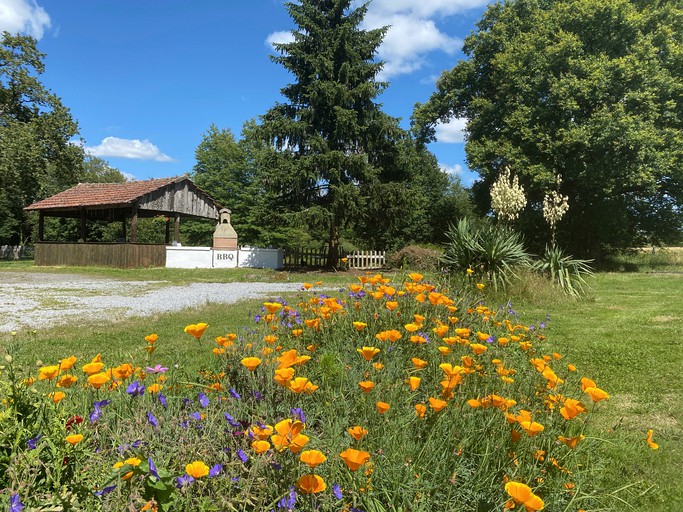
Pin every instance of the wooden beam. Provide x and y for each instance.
(134, 224)
(176, 230)
(168, 230)
(83, 226)
(41, 225)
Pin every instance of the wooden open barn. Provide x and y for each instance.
(173, 198)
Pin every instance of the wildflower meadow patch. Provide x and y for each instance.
(378, 396)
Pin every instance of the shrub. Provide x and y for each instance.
(491, 251)
(565, 272)
(423, 259)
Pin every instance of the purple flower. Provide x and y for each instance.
(187, 401)
(196, 416)
(183, 481)
(135, 389)
(97, 412)
(298, 414)
(203, 400)
(257, 318)
(243, 456)
(231, 420)
(15, 504)
(33, 442)
(490, 339)
(287, 502)
(162, 399)
(234, 393)
(216, 470)
(105, 490)
(258, 396)
(157, 369)
(153, 469)
(152, 419)
(336, 491)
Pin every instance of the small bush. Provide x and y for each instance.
(565, 272)
(492, 252)
(424, 259)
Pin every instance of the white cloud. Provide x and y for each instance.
(408, 41)
(426, 8)
(128, 176)
(128, 148)
(24, 16)
(451, 132)
(281, 37)
(455, 170)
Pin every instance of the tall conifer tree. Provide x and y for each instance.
(329, 138)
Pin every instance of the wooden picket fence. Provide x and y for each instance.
(358, 260)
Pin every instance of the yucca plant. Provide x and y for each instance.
(492, 251)
(564, 271)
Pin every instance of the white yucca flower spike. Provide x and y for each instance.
(555, 205)
(507, 196)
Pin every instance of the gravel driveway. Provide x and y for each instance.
(34, 300)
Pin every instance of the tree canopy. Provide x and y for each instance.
(36, 158)
(590, 90)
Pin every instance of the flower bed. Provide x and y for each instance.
(378, 397)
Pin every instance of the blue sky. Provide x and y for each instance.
(146, 78)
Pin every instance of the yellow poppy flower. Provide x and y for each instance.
(391, 305)
(413, 382)
(92, 368)
(67, 364)
(311, 484)
(98, 380)
(197, 469)
(523, 495)
(596, 394)
(48, 372)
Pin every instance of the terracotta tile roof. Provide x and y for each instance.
(102, 194)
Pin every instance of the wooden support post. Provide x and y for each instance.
(168, 230)
(176, 230)
(83, 225)
(134, 225)
(41, 225)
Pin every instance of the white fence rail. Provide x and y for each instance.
(366, 260)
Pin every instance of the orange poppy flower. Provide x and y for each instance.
(359, 326)
(298, 385)
(57, 396)
(571, 409)
(196, 330)
(523, 495)
(571, 441)
(311, 484)
(74, 439)
(154, 388)
(383, 407)
(66, 364)
(251, 363)
(283, 376)
(420, 410)
(98, 380)
(532, 428)
(357, 432)
(419, 363)
(123, 371)
(413, 382)
(260, 446)
(151, 338)
(478, 348)
(366, 385)
(197, 469)
(415, 277)
(272, 307)
(354, 458)
(649, 440)
(437, 404)
(368, 352)
(92, 368)
(596, 394)
(66, 381)
(312, 458)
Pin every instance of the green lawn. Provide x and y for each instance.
(628, 336)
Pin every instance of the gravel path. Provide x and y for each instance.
(34, 300)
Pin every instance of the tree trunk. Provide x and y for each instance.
(333, 246)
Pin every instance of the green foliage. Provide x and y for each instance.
(36, 158)
(565, 272)
(587, 89)
(491, 251)
(422, 259)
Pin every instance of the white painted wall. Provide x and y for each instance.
(206, 257)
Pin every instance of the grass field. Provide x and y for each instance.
(628, 336)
